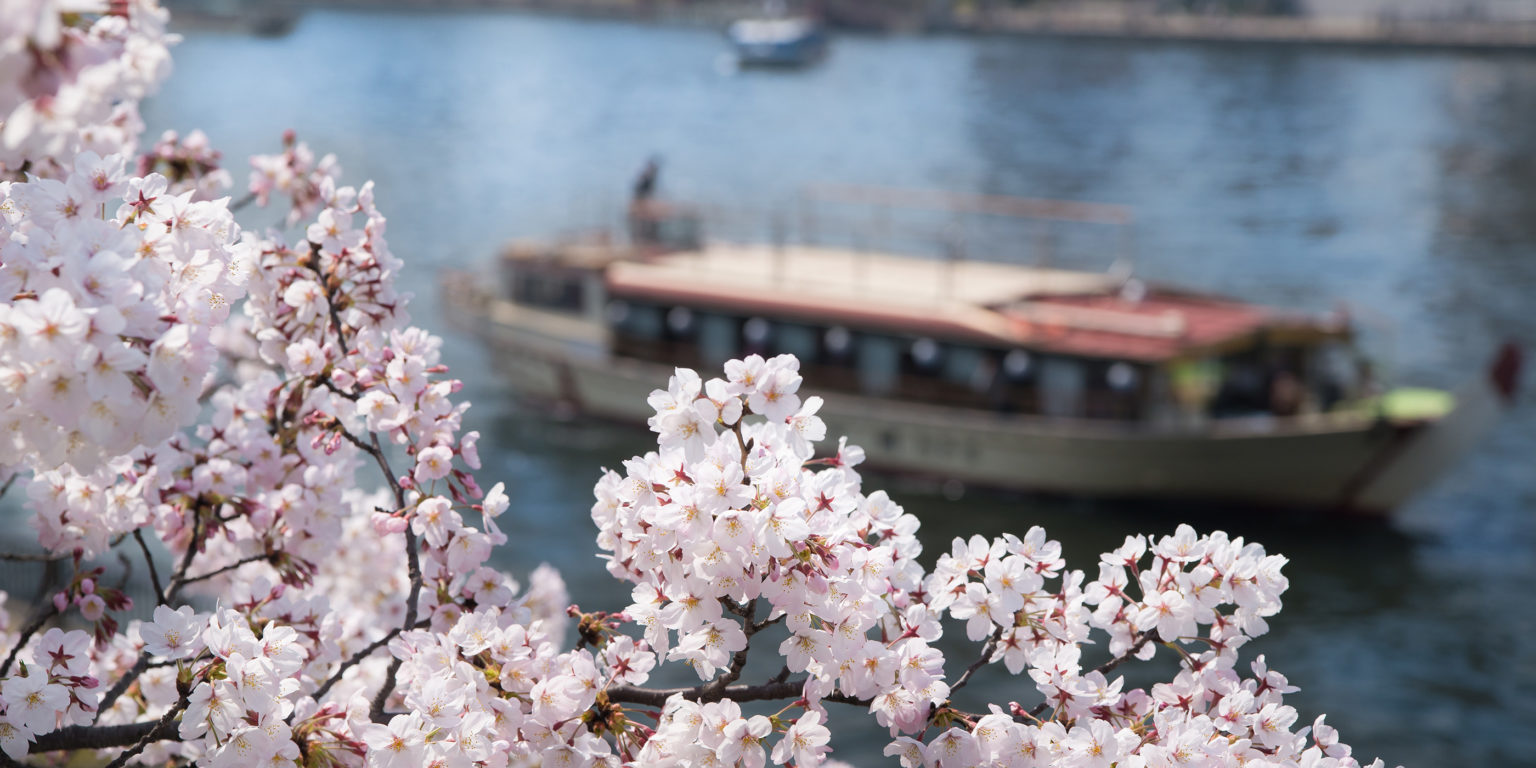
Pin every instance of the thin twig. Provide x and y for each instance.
(413, 566)
(178, 578)
(154, 575)
(46, 557)
(122, 684)
(330, 297)
(227, 568)
(358, 657)
(389, 475)
(250, 197)
(26, 634)
(656, 697)
(739, 659)
(34, 557)
(152, 735)
(1106, 667)
(986, 655)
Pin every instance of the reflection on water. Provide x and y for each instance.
(1402, 182)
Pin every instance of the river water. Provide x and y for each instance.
(1401, 183)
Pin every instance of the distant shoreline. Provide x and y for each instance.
(1089, 22)
(1273, 30)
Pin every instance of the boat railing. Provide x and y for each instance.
(955, 202)
(924, 223)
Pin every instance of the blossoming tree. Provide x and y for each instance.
(172, 383)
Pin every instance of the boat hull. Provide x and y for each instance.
(1336, 462)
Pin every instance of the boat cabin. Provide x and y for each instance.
(986, 336)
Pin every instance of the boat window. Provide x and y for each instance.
(680, 322)
(551, 291)
(616, 313)
(1062, 382)
(756, 331)
(1121, 377)
(642, 321)
(879, 364)
(925, 353)
(718, 336)
(837, 342)
(798, 340)
(1018, 364)
(961, 364)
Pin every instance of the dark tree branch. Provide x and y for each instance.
(97, 736)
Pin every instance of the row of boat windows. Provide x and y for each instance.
(1279, 381)
(888, 365)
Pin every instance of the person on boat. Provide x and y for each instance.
(645, 183)
(643, 226)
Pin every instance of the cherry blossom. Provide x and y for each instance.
(255, 418)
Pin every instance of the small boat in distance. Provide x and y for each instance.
(1086, 383)
(787, 41)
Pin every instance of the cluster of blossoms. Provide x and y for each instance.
(220, 396)
(188, 162)
(56, 688)
(113, 289)
(71, 76)
(734, 515)
(296, 174)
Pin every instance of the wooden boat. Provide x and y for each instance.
(1055, 380)
(789, 41)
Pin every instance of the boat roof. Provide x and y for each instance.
(1069, 312)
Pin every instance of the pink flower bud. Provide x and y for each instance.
(385, 525)
(60, 601)
(87, 586)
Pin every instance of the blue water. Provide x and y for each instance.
(1401, 183)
